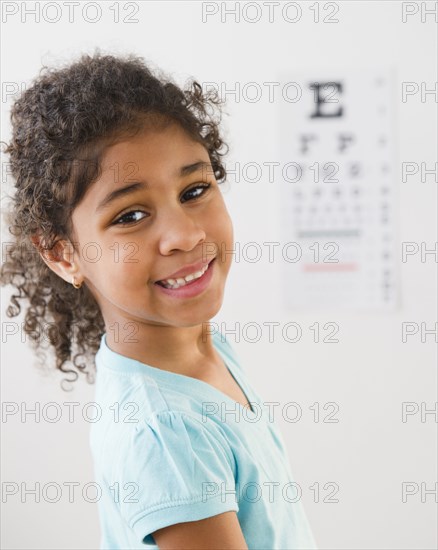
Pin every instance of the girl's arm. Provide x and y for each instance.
(220, 532)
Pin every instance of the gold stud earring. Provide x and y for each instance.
(75, 284)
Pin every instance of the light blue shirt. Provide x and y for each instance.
(169, 448)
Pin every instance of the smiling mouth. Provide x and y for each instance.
(184, 281)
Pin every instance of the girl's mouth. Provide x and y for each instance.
(191, 288)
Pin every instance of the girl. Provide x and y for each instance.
(117, 175)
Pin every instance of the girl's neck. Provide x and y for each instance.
(186, 350)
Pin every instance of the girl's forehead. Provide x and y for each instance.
(150, 158)
(146, 144)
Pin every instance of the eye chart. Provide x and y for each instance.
(337, 192)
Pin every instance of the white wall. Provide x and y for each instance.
(370, 452)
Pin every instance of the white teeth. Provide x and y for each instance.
(182, 281)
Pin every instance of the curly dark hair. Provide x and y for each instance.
(61, 126)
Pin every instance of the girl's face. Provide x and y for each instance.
(155, 210)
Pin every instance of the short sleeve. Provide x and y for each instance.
(179, 469)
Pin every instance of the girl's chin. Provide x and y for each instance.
(197, 315)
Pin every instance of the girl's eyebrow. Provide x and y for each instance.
(129, 189)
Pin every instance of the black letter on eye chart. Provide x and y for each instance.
(331, 88)
(305, 139)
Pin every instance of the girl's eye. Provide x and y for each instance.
(127, 216)
(193, 193)
(197, 191)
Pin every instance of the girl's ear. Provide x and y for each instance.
(59, 259)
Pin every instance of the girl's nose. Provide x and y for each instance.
(179, 231)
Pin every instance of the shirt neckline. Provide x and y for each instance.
(125, 364)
